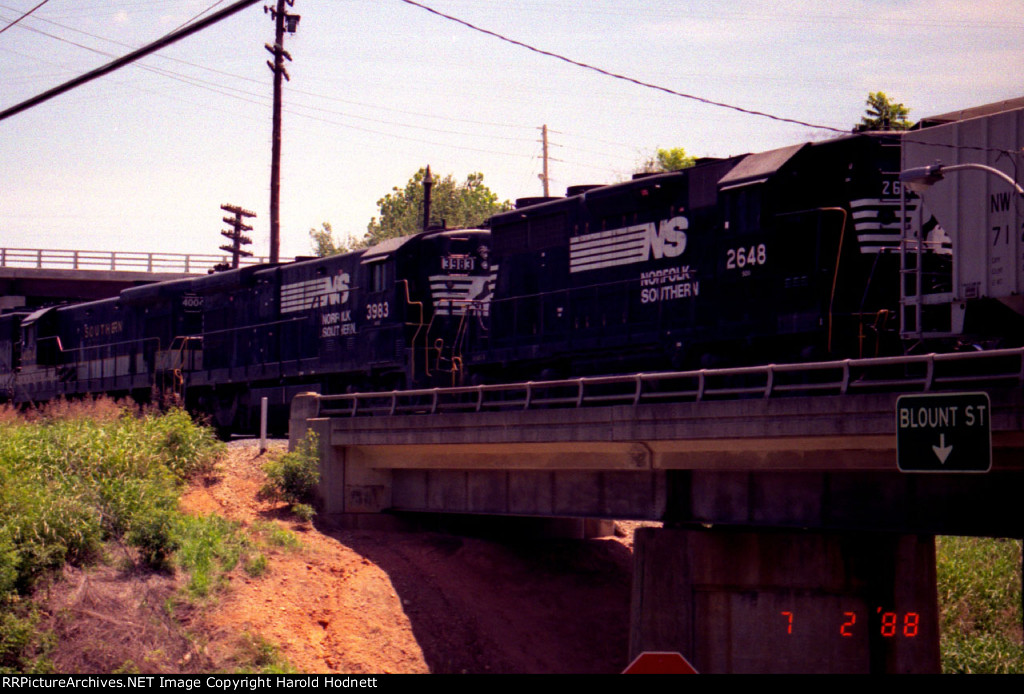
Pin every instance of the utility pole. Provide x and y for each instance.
(282, 22)
(544, 176)
(237, 238)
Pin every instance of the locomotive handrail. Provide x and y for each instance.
(914, 373)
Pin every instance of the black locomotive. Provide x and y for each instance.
(385, 317)
(779, 256)
(787, 255)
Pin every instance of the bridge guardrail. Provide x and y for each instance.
(917, 373)
(126, 261)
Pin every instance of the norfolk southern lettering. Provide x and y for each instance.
(115, 327)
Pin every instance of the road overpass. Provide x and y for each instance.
(37, 277)
(778, 487)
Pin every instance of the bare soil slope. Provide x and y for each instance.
(416, 602)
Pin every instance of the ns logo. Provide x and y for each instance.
(667, 240)
(335, 290)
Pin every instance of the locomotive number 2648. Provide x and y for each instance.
(742, 257)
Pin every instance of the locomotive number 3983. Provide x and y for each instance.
(377, 311)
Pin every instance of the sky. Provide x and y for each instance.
(142, 159)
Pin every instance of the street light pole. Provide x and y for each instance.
(919, 178)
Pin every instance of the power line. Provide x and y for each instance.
(117, 64)
(625, 78)
(23, 16)
(217, 88)
(197, 16)
(242, 95)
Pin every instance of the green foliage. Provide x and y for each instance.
(257, 566)
(76, 477)
(980, 601)
(22, 648)
(324, 243)
(883, 114)
(664, 160)
(9, 561)
(465, 204)
(210, 547)
(304, 512)
(155, 534)
(273, 535)
(259, 655)
(181, 446)
(293, 476)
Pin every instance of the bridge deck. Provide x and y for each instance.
(733, 456)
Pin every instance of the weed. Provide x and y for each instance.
(305, 512)
(257, 654)
(979, 585)
(76, 475)
(257, 566)
(128, 667)
(156, 536)
(293, 476)
(211, 547)
(22, 649)
(273, 535)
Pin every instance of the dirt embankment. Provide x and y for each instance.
(361, 601)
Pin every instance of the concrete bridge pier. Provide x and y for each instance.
(787, 601)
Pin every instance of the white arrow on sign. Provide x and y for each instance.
(942, 451)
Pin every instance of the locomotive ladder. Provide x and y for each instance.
(913, 298)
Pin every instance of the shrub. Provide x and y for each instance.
(156, 535)
(73, 475)
(293, 476)
(20, 643)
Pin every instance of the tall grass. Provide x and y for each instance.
(73, 478)
(979, 584)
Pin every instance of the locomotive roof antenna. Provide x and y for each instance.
(428, 183)
(545, 177)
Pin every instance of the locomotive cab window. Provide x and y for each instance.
(382, 276)
(743, 209)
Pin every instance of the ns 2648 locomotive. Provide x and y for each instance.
(788, 255)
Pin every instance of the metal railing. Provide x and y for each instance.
(919, 373)
(125, 261)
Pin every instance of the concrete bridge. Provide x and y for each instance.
(37, 277)
(785, 515)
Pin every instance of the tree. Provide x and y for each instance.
(667, 160)
(883, 114)
(324, 243)
(455, 204)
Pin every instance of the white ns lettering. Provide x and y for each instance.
(669, 240)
